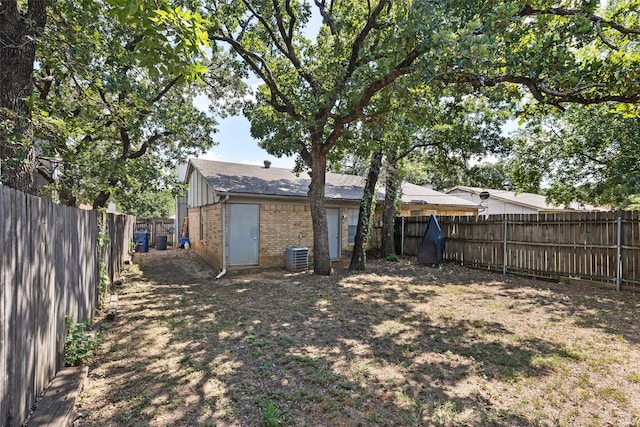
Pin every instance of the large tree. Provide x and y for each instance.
(113, 97)
(587, 154)
(314, 88)
(440, 127)
(111, 105)
(20, 28)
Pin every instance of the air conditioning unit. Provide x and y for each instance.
(297, 258)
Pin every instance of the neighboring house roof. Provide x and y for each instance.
(530, 200)
(234, 178)
(416, 194)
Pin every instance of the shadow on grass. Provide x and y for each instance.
(303, 350)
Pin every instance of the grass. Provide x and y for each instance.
(399, 345)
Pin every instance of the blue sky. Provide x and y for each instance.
(236, 144)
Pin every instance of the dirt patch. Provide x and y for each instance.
(401, 344)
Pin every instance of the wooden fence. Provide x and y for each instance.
(594, 246)
(157, 227)
(49, 268)
(116, 234)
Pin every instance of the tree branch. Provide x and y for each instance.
(327, 18)
(259, 66)
(266, 24)
(359, 41)
(403, 68)
(527, 10)
(126, 143)
(166, 89)
(287, 36)
(543, 93)
(148, 143)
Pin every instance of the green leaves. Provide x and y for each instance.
(114, 96)
(587, 154)
(167, 39)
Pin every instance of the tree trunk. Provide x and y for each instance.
(18, 33)
(359, 255)
(391, 185)
(67, 198)
(101, 199)
(321, 259)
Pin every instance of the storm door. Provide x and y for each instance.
(243, 234)
(333, 225)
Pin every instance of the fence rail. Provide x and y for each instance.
(49, 264)
(595, 246)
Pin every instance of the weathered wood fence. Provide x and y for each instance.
(157, 227)
(115, 238)
(596, 246)
(49, 269)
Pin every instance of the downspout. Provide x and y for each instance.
(224, 240)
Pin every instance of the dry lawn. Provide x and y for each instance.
(401, 345)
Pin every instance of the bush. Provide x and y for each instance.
(81, 344)
(392, 258)
(271, 417)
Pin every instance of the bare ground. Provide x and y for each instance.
(401, 345)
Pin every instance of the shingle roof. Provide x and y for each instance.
(535, 201)
(416, 194)
(234, 178)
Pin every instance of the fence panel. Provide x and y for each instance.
(49, 269)
(157, 227)
(595, 246)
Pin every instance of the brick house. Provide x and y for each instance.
(245, 215)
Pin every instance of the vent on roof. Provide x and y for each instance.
(267, 164)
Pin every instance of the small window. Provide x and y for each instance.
(352, 222)
(416, 213)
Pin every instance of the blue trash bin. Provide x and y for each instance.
(141, 238)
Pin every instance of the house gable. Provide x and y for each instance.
(199, 192)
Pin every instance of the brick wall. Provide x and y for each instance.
(281, 225)
(207, 244)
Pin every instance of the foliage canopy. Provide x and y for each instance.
(113, 103)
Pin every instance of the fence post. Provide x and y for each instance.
(504, 247)
(402, 239)
(619, 256)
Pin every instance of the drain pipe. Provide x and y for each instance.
(224, 240)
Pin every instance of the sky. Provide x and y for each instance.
(236, 144)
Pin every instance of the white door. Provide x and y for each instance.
(333, 225)
(243, 234)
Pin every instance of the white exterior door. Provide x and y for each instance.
(243, 234)
(333, 225)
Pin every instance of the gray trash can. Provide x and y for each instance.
(161, 243)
